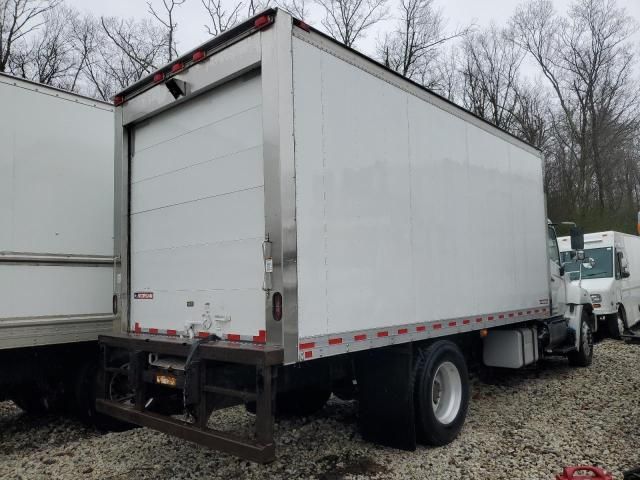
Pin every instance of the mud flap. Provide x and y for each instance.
(385, 385)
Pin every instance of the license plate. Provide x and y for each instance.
(168, 380)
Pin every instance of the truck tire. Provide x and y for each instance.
(584, 355)
(441, 392)
(616, 324)
(84, 399)
(30, 401)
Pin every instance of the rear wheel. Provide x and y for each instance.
(441, 393)
(86, 384)
(584, 355)
(30, 401)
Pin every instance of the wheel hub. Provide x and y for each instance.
(446, 393)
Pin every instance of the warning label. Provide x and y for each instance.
(143, 295)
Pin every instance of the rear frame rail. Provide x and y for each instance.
(264, 359)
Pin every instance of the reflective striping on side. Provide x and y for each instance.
(323, 346)
(232, 337)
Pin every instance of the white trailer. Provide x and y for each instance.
(294, 219)
(56, 240)
(611, 276)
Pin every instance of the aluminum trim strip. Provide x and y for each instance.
(55, 258)
(18, 322)
(310, 348)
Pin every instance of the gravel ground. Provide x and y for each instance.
(527, 426)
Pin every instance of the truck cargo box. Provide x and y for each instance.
(56, 212)
(295, 220)
(275, 186)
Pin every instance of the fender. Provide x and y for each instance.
(576, 295)
(577, 300)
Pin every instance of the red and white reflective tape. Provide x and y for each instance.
(261, 337)
(327, 345)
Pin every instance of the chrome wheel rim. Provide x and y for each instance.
(446, 393)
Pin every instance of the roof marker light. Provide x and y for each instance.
(300, 24)
(262, 21)
(118, 100)
(158, 77)
(177, 67)
(199, 55)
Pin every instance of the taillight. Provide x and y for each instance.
(277, 306)
(114, 304)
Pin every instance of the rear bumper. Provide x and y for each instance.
(220, 371)
(222, 441)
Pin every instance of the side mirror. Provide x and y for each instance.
(577, 238)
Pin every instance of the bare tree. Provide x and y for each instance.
(221, 19)
(491, 69)
(412, 49)
(256, 6)
(48, 55)
(18, 18)
(588, 60)
(447, 79)
(347, 20)
(297, 8)
(121, 52)
(532, 115)
(167, 20)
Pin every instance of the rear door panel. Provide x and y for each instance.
(197, 216)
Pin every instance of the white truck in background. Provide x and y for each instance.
(611, 275)
(56, 244)
(293, 219)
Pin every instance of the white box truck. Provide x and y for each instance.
(56, 242)
(611, 275)
(293, 219)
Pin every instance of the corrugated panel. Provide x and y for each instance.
(197, 222)
(405, 212)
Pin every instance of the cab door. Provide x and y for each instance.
(627, 290)
(556, 282)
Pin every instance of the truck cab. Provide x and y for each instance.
(569, 301)
(608, 276)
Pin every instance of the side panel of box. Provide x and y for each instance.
(406, 213)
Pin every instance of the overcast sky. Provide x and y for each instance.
(191, 15)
